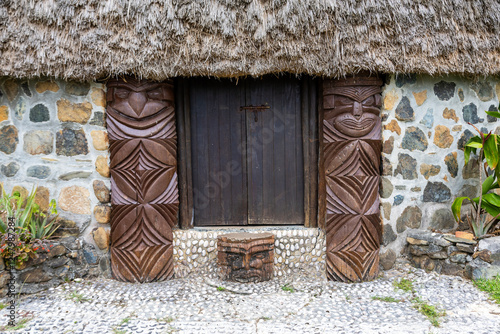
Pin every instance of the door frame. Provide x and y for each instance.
(310, 148)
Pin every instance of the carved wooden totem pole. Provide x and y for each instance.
(142, 134)
(352, 145)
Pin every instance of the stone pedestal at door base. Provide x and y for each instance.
(245, 257)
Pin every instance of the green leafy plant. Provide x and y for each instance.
(30, 229)
(485, 211)
(221, 288)
(491, 286)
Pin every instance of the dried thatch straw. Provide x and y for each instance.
(89, 39)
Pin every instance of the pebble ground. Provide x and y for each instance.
(299, 304)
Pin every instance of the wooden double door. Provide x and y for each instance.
(247, 151)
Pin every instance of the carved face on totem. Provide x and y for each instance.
(151, 103)
(246, 261)
(352, 106)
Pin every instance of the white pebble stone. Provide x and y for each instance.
(280, 273)
(301, 241)
(183, 245)
(203, 253)
(277, 251)
(188, 243)
(205, 243)
(181, 253)
(212, 243)
(294, 233)
(301, 233)
(282, 245)
(188, 251)
(195, 242)
(313, 240)
(288, 253)
(303, 250)
(280, 259)
(287, 246)
(301, 258)
(175, 250)
(194, 249)
(286, 261)
(276, 243)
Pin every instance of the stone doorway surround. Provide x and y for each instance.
(145, 190)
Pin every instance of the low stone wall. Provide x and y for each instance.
(296, 250)
(66, 260)
(449, 255)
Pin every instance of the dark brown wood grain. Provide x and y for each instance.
(144, 192)
(351, 158)
(247, 160)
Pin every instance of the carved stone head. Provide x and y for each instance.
(352, 106)
(246, 257)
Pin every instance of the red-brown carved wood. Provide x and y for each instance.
(351, 158)
(144, 197)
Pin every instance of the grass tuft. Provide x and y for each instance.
(491, 286)
(430, 311)
(387, 299)
(77, 297)
(288, 288)
(405, 285)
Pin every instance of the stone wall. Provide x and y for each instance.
(53, 137)
(449, 255)
(424, 129)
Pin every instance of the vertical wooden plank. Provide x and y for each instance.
(321, 169)
(219, 184)
(181, 152)
(313, 150)
(188, 222)
(304, 112)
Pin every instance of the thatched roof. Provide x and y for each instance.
(89, 39)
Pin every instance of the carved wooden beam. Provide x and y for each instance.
(351, 157)
(144, 197)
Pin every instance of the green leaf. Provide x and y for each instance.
(487, 184)
(474, 144)
(493, 113)
(467, 151)
(456, 207)
(491, 151)
(492, 199)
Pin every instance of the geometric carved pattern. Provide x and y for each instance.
(352, 148)
(144, 194)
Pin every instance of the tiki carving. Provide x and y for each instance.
(246, 257)
(144, 197)
(352, 148)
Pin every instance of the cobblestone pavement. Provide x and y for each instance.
(298, 304)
